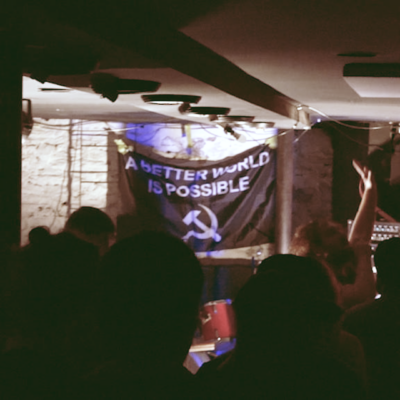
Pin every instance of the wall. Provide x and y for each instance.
(349, 143)
(64, 167)
(325, 183)
(312, 191)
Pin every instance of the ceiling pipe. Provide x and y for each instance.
(153, 38)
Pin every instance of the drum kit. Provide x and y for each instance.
(218, 320)
(218, 332)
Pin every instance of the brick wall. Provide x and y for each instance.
(312, 191)
(65, 167)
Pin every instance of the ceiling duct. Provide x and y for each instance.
(41, 63)
(373, 80)
(173, 49)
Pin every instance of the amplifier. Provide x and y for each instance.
(382, 231)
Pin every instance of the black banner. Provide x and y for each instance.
(211, 205)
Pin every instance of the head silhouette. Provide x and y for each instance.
(326, 241)
(387, 262)
(150, 290)
(55, 284)
(92, 225)
(38, 235)
(290, 303)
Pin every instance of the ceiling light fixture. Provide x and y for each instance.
(170, 99)
(54, 90)
(186, 108)
(207, 111)
(236, 119)
(110, 87)
(262, 125)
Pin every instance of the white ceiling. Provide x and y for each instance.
(289, 45)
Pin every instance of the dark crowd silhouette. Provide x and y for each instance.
(83, 317)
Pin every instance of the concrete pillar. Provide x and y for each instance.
(284, 193)
(10, 131)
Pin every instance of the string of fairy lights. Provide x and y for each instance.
(222, 134)
(82, 127)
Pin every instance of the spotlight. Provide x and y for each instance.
(110, 87)
(395, 128)
(170, 99)
(184, 108)
(240, 138)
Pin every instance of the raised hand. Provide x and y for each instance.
(365, 174)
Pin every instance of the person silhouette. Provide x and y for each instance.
(147, 307)
(288, 330)
(377, 324)
(349, 260)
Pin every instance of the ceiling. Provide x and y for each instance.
(268, 59)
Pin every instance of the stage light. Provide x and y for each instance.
(170, 99)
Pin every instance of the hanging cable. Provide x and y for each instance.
(301, 135)
(343, 123)
(356, 141)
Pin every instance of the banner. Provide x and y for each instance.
(211, 205)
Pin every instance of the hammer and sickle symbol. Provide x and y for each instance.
(207, 232)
